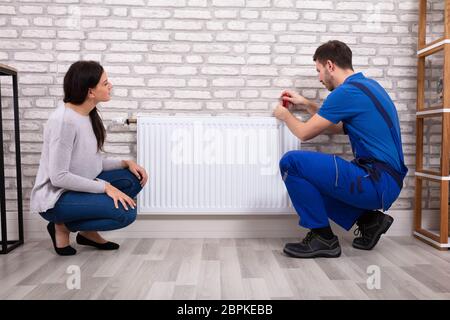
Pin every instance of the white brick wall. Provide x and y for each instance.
(200, 57)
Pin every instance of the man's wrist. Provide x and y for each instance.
(312, 107)
(288, 117)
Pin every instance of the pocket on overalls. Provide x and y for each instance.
(345, 179)
(358, 184)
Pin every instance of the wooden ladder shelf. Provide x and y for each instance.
(437, 238)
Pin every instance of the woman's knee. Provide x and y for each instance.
(133, 184)
(127, 217)
(131, 217)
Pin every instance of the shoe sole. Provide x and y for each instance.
(334, 253)
(386, 224)
(86, 242)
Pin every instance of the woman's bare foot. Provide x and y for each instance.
(93, 236)
(62, 235)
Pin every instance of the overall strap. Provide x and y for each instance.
(383, 113)
(395, 136)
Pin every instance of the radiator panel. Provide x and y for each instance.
(213, 165)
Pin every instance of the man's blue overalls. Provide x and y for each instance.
(323, 186)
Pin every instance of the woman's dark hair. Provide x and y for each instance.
(335, 51)
(82, 76)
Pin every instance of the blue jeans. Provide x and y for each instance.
(323, 186)
(81, 211)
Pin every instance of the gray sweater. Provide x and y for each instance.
(69, 160)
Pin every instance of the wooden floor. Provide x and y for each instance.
(225, 269)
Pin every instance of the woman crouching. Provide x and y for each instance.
(76, 188)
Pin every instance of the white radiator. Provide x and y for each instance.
(213, 165)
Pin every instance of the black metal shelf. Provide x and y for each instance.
(9, 245)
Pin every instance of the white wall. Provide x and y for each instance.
(202, 56)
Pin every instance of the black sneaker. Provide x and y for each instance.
(371, 226)
(313, 246)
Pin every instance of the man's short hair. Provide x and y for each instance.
(335, 51)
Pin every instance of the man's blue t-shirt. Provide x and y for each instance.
(369, 134)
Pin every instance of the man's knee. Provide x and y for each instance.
(285, 161)
(291, 160)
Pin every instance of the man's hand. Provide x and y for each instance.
(295, 98)
(281, 113)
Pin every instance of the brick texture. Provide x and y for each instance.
(199, 57)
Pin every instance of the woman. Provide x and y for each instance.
(76, 189)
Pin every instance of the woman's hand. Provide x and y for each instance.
(137, 170)
(118, 195)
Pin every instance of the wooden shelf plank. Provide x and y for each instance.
(433, 48)
(426, 236)
(431, 175)
(432, 112)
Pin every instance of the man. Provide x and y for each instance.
(323, 186)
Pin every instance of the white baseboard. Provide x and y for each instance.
(221, 226)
